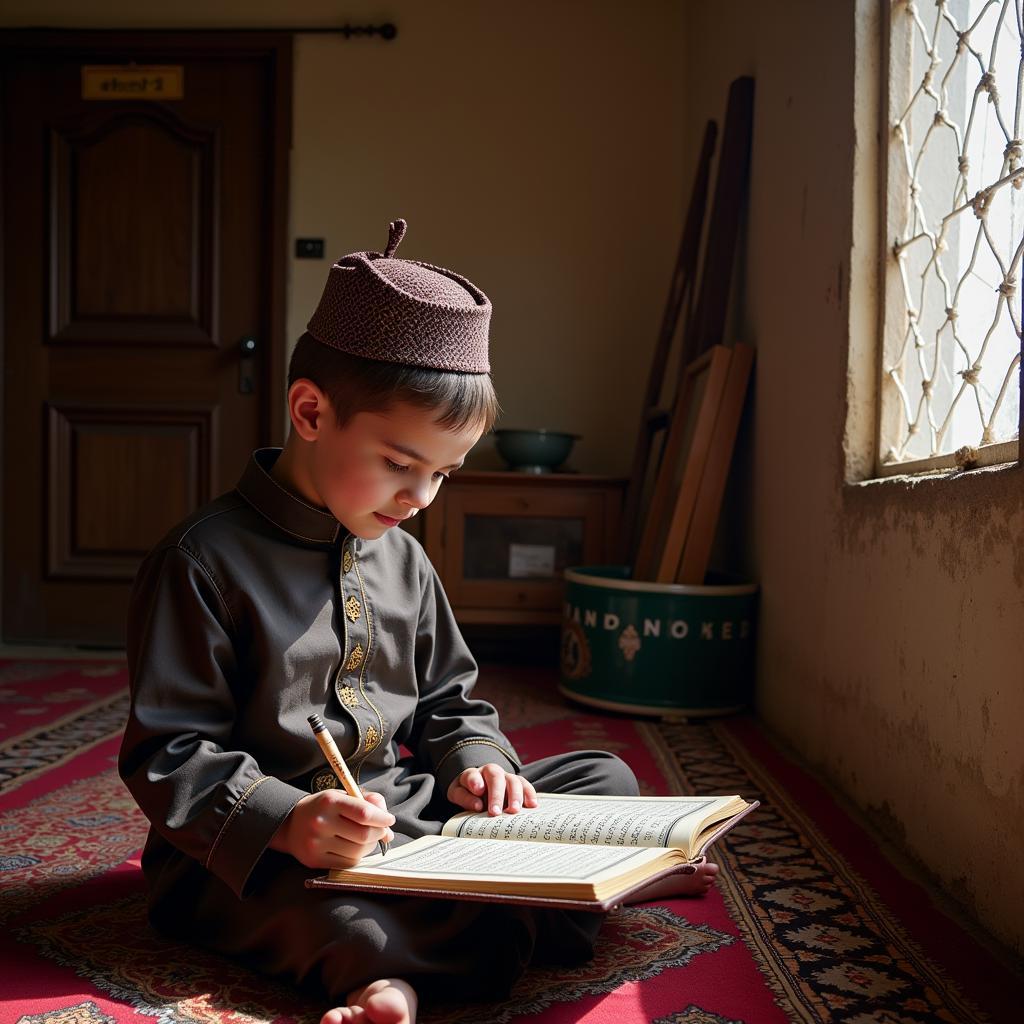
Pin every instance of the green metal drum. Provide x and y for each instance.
(657, 648)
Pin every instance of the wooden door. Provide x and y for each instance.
(143, 243)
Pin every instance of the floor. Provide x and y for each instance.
(904, 861)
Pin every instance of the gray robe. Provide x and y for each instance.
(255, 612)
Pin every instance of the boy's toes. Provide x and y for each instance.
(387, 1007)
(387, 1001)
(341, 1015)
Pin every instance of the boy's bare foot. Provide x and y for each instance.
(672, 886)
(388, 1001)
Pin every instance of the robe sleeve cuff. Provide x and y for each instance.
(473, 753)
(248, 829)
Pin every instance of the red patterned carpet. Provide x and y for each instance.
(809, 922)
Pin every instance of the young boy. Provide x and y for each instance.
(295, 594)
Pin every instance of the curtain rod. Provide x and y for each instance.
(387, 31)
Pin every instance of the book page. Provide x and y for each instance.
(443, 857)
(595, 820)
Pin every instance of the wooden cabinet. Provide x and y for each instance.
(500, 541)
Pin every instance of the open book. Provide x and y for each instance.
(584, 852)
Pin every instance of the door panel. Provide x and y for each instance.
(96, 530)
(142, 242)
(109, 281)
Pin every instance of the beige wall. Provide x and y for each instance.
(892, 637)
(539, 149)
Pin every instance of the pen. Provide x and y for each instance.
(337, 762)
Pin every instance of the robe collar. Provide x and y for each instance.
(287, 511)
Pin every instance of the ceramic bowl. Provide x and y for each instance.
(534, 451)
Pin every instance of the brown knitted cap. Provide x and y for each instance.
(403, 311)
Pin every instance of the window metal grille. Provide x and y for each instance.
(950, 389)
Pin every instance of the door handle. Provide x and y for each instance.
(247, 365)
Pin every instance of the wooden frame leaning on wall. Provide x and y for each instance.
(679, 530)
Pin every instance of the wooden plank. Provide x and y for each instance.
(696, 461)
(682, 466)
(655, 523)
(697, 549)
(708, 325)
(681, 291)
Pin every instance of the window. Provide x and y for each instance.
(954, 209)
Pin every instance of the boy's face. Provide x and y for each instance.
(383, 467)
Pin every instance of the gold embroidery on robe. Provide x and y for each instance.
(346, 561)
(362, 670)
(325, 780)
(349, 697)
(372, 738)
(352, 608)
(355, 658)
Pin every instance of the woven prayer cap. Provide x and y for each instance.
(403, 311)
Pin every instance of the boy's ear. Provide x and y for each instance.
(308, 408)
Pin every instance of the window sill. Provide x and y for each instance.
(899, 476)
(964, 459)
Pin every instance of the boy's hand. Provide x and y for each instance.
(334, 830)
(500, 789)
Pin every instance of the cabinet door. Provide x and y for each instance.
(505, 548)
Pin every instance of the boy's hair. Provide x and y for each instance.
(357, 385)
